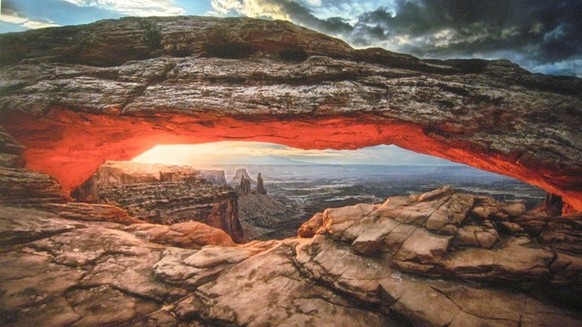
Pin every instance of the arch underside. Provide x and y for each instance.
(71, 145)
(77, 96)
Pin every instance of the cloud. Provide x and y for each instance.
(253, 8)
(540, 35)
(564, 67)
(552, 29)
(133, 7)
(281, 9)
(235, 152)
(534, 33)
(25, 22)
(10, 14)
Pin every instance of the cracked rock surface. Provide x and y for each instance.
(90, 273)
(444, 233)
(412, 261)
(490, 114)
(436, 259)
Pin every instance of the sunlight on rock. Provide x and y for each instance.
(268, 183)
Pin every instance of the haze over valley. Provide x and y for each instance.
(309, 181)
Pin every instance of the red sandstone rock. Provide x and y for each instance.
(89, 212)
(189, 234)
(24, 186)
(489, 114)
(310, 227)
(165, 194)
(442, 233)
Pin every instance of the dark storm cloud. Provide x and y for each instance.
(304, 16)
(9, 8)
(546, 31)
(534, 33)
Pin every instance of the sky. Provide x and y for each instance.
(540, 35)
(262, 153)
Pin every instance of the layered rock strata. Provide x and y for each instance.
(116, 173)
(67, 91)
(79, 264)
(447, 234)
(59, 271)
(166, 194)
(266, 217)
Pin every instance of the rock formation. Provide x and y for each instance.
(165, 194)
(10, 151)
(76, 96)
(59, 270)
(443, 233)
(117, 173)
(244, 183)
(190, 234)
(264, 217)
(133, 83)
(241, 174)
(244, 187)
(261, 216)
(77, 263)
(260, 185)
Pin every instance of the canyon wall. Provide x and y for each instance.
(440, 258)
(77, 96)
(165, 194)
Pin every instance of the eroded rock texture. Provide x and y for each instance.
(58, 271)
(486, 263)
(65, 92)
(266, 217)
(443, 233)
(166, 194)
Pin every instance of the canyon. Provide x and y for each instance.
(72, 98)
(165, 194)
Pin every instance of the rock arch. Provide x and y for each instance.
(100, 94)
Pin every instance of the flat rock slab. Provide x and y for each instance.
(81, 265)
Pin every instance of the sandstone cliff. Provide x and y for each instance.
(260, 185)
(261, 216)
(86, 264)
(165, 194)
(65, 92)
(115, 173)
(63, 271)
(264, 217)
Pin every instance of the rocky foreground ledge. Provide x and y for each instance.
(436, 259)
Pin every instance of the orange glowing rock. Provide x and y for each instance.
(71, 145)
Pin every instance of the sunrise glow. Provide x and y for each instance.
(241, 152)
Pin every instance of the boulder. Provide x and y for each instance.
(63, 269)
(189, 234)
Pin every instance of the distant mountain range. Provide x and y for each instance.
(261, 153)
